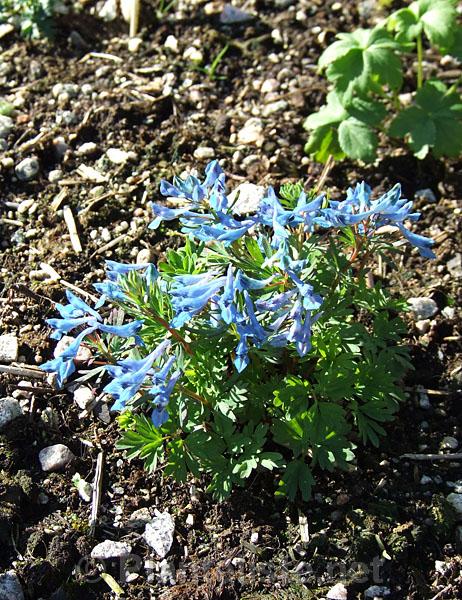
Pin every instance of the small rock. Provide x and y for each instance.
(6, 125)
(105, 234)
(427, 194)
(231, 15)
(171, 43)
(424, 401)
(449, 312)
(10, 409)
(338, 592)
(449, 443)
(71, 89)
(87, 149)
(117, 156)
(376, 591)
(108, 11)
(204, 152)
(269, 86)
(55, 457)
(441, 567)
(27, 169)
(455, 266)
(274, 107)
(55, 175)
(10, 587)
(139, 518)
(144, 256)
(425, 480)
(167, 572)
(134, 44)
(111, 549)
(8, 348)
(252, 132)
(238, 562)
(83, 353)
(193, 55)
(336, 7)
(159, 533)
(423, 326)
(84, 397)
(455, 500)
(246, 198)
(423, 308)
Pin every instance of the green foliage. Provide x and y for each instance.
(34, 18)
(433, 122)
(288, 415)
(366, 73)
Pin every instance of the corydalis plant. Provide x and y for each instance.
(262, 346)
(365, 69)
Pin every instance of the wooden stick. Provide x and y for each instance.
(96, 495)
(70, 222)
(23, 371)
(134, 17)
(455, 456)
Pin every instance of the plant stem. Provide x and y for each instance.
(193, 395)
(419, 61)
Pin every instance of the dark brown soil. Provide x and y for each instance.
(379, 517)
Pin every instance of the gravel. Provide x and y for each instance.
(27, 169)
(246, 198)
(455, 266)
(111, 549)
(56, 457)
(117, 156)
(252, 132)
(377, 591)
(338, 592)
(8, 348)
(159, 533)
(426, 194)
(423, 308)
(10, 587)
(6, 125)
(10, 409)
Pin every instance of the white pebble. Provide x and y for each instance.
(8, 348)
(111, 549)
(204, 152)
(55, 457)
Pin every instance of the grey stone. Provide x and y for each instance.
(449, 443)
(167, 572)
(377, 591)
(10, 409)
(423, 308)
(455, 266)
(423, 326)
(8, 348)
(449, 312)
(274, 107)
(111, 549)
(139, 518)
(426, 194)
(53, 458)
(6, 125)
(83, 397)
(27, 169)
(159, 533)
(231, 15)
(455, 500)
(10, 587)
(55, 175)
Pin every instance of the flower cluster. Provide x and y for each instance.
(274, 306)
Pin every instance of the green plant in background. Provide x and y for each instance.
(34, 18)
(366, 72)
(257, 345)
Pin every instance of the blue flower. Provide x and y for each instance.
(64, 365)
(191, 293)
(227, 300)
(130, 374)
(161, 391)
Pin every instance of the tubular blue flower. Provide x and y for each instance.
(161, 391)
(300, 330)
(64, 365)
(227, 300)
(310, 300)
(191, 293)
(422, 243)
(130, 374)
(241, 359)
